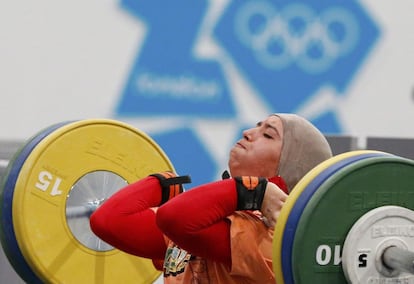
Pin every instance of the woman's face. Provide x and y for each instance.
(258, 152)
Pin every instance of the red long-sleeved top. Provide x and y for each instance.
(130, 220)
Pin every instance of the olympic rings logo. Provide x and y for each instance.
(296, 35)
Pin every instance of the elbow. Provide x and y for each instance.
(98, 223)
(165, 219)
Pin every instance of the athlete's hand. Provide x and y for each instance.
(273, 201)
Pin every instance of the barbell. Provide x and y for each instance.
(349, 219)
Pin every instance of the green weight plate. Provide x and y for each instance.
(338, 203)
(303, 199)
(292, 201)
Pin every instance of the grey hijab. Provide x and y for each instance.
(304, 147)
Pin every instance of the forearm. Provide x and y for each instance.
(197, 220)
(127, 222)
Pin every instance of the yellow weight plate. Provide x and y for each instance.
(41, 194)
(290, 202)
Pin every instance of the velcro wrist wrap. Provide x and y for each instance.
(250, 192)
(171, 184)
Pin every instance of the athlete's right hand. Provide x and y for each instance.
(273, 201)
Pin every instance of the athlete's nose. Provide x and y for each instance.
(248, 134)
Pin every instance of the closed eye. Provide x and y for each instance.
(268, 136)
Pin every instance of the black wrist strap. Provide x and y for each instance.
(171, 185)
(250, 192)
(175, 180)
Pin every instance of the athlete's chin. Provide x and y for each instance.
(236, 155)
(236, 165)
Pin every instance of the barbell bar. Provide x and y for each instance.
(58, 171)
(398, 259)
(75, 211)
